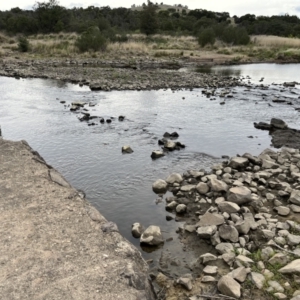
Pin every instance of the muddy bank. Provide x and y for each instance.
(55, 245)
(109, 75)
(242, 219)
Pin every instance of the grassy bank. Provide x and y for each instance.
(62, 45)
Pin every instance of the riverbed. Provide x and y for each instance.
(119, 185)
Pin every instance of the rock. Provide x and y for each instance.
(266, 253)
(174, 178)
(295, 208)
(228, 207)
(275, 286)
(109, 121)
(279, 258)
(238, 162)
(282, 210)
(207, 279)
(278, 123)
(229, 287)
(223, 248)
(205, 232)
(210, 270)
(206, 258)
(152, 236)
(229, 258)
(209, 219)
(186, 281)
(188, 188)
(280, 296)
(239, 195)
(218, 185)
(242, 226)
(126, 149)
(293, 240)
(244, 261)
(291, 268)
(137, 229)
(172, 205)
(181, 208)
(159, 186)
(239, 274)
(258, 279)
(229, 233)
(268, 164)
(121, 118)
(157, 154)
(295, 197)
(170, 145)
(202, 188)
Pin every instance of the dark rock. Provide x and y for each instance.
(262, 125)
(102, 120)
(121, 118)
(278, 123)
(108, 121)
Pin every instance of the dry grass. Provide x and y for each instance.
(275, 41)
(130, 46)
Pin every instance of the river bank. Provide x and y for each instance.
(55, 245)
(246, 211)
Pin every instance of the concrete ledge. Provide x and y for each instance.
(54, 244)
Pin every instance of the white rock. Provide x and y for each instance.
(291, 268)
(239, 195)
(228, 207)
(137, 230)
(152, 236)
(258, 279)
(181, 208)
(225, 248)
(238, 162)
(159, 186)
(206, 232)
(209, 219)
(229, 287)
(174, 178)
(210, 270)
(295, 197)
(229, 233)
(202, 188)
(218, 185)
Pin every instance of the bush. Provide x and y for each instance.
(235, 36)
(207, 36)
(23, 44)
(92, 39)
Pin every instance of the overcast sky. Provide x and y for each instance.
(234, 7)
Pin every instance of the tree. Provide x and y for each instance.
(149, 24)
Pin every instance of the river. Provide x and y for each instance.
(119, 185)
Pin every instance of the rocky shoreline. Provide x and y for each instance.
(122, 75)
(247, 210)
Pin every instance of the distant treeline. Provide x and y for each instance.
(49, 17)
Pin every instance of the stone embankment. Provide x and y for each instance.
(247, 209)
(54, 244)
(107, 76)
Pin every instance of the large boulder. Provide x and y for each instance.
(239, 195)
(238, 162)
(174, 178)
(229, 287)
(159, 186)
(152, 236)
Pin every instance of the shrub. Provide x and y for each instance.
(92, 39)
(207, 36)
(23, 44)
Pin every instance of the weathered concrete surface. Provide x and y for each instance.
(54, 244)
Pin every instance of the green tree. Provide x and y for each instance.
(149, 24)
(207, 36)
(92, 39)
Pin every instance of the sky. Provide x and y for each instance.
(234, 7)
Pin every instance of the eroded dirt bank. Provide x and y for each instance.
(54, 244)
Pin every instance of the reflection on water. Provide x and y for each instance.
(219, 71)
(271, 73)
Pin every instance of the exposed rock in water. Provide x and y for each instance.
(137, 230)
(152, 236)
(127, 149)
(159, 186)
(157, 154)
